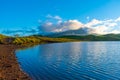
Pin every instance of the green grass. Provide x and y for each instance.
(108, 37)
(2, 37)
(36, 39)
(31, 40)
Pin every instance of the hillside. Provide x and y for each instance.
(31, 40)
(38, 39)
(108, 37)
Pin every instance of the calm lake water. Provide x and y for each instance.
(72, 61)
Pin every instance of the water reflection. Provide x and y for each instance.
(72, 52)
(72, 61)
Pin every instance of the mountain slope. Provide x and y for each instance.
(108, 37)
(82, 31)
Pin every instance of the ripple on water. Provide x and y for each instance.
(72, 61)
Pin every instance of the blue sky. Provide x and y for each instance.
(17, 14)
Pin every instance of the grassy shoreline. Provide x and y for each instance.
(31, 40)
(38, 39)
(9, 67)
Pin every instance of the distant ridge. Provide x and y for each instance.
(78, 32)
(107, 37)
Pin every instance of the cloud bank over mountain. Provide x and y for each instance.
(55, 24)
(93, 27)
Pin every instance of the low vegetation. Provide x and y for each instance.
(30, 40)
(38, 39)
(108, 37)
(2, 38)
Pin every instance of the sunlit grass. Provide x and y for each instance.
(31, 40)
(37, 39)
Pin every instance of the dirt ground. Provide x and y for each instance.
(9, 67)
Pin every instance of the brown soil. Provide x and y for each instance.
(9, 67)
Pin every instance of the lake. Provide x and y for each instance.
(72, 61)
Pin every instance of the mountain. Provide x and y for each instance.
(83, 35)
(107, 37)
(82, 31)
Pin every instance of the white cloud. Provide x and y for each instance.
(99, 30)
(56, 24)
(72, 24)
(111, 24)
(48, 24)
(61, 26)
(93, 23)
(21, 32)
(115, 31)
(93, 27)
(58, 17)
(117, 20)
(53, 17)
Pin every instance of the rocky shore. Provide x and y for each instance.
(9, 67)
